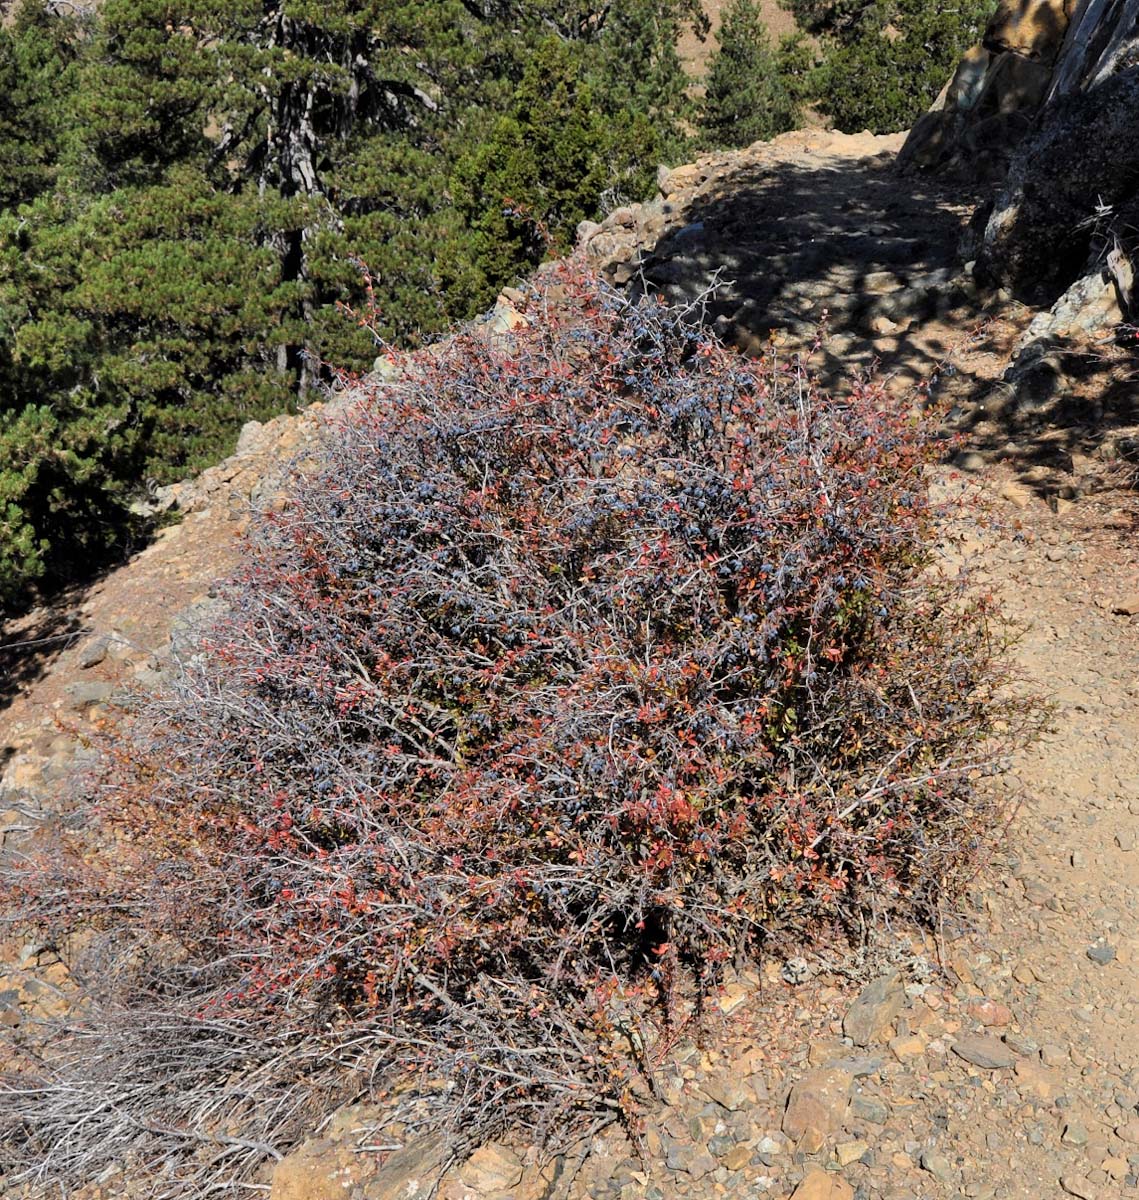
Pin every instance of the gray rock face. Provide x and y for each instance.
(869, 1018)
(1045, 108)
(1065, 184)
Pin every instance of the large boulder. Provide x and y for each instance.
(1031, 28)
(1065, 190)
(1045, 109)
(993, 97)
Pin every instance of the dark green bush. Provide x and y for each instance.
(747, 98)
(885, 67)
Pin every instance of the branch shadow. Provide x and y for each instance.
(778, 248)
(31, 642)
(1066, 418)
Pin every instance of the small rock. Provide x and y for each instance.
(701, 1165)
(906, 1047)
(1035, 1080)
(1125, 840)
(84, 695)
(492, 1168)
(93, 653)
(849, 1152)
(1017, 493)
(983, 1051)
(1101, 953)
(871, 1109)
(1054, 1056)
(769, 1148)
(1127, 607)
(1128, 1131)
(937, 1165)
(1115, 1166)
(869, 1018)
(818, 1185)
(732, 997)
(737, 1158)
(1074, 1135)
(796, 970)
(1075, 1186)
(989, 1012)
(818, 1101)
(728, 1092)
(1023, 973)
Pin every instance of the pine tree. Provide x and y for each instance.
(36, 54)
(747, 99)
(206, 183)
(886, 60)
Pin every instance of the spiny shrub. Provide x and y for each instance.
(581, 666)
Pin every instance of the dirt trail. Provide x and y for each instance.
(1006, 1063)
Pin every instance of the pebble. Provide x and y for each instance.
(985, 1052)
(1053, 1056)
(937, 1165)
(869, 1108)
(989, 1012)
(818, 1185)
(1128, 1131)
(1101, 953)
(849, 1152)
(1075, 1186)
(869, 1018)
(1074, 1135)
(93, 653)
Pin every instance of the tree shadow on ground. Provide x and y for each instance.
(774, 251)
(835, 240)
(1070, 411)
(31, 642)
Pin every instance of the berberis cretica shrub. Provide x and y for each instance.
(580, 667)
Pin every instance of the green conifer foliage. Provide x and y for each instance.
(198, 185)
(886, 60)
(747, 99)
(540, 170)
(36, 53)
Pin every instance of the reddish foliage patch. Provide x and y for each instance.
(579, 668)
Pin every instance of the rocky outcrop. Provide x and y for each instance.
(989, 105)
(1046, 108)
(1034, 53)
(1072, 188)
(1102, 39)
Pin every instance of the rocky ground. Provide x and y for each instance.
(994, 1057)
